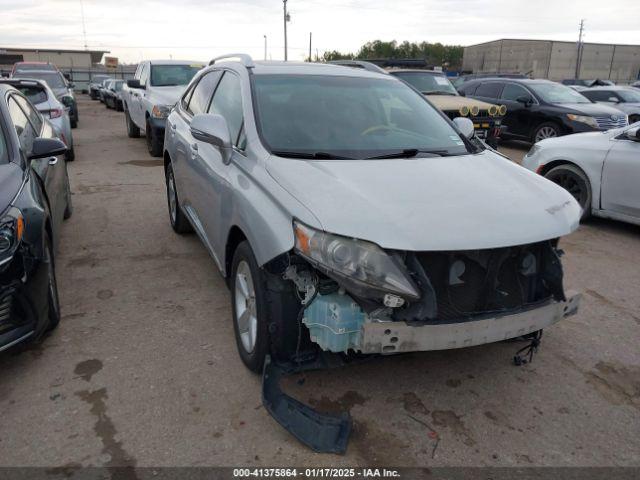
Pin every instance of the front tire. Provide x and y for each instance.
(544, 131)
(179, 222)
(575, 181)
(265, 312)
(70, 156)
(52, 286)
(154, 141)
(132, 129)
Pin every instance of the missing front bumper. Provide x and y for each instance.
(397, 337)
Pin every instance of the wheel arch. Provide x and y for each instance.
(594, 184)
(235, 237)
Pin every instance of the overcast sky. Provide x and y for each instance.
(201, 29)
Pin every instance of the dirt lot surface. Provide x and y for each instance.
(144, 371)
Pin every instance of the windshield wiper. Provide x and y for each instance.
(312, 156)
(409, 153)
(439, 92)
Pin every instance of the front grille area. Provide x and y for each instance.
(467, 284)
(608, 122)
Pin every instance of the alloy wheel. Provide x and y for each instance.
(245, 303)
(54, 301)
(571, 184)
(171, 194)
(546, 132)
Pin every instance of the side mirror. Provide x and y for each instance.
(135, 83)
(633, 135)
(47, 147)
(465, 126)
(213, 129)
(525, 100)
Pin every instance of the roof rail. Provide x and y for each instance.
(371, 67)
(246, 59)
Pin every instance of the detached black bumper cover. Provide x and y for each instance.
(324, 433)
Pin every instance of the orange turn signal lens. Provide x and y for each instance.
(19, 228)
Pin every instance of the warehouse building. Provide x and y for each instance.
(554, 60)
(67, 59)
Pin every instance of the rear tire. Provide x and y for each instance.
(575, 181)
(70, 156)
(179, 222)
(155, 144)
(132, 130)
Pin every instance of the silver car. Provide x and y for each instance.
(349, 215)
(45, 101)
(625, 99)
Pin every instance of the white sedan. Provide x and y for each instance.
(600, 169)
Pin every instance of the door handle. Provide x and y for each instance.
(173, 126)
(194, 150)
(53, 160)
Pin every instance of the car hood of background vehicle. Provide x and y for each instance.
(166, 95)
(592, 109)
(10, 182)
(443, 203)
(451, 102)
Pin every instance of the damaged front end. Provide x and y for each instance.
(357, 298)
(360, 298)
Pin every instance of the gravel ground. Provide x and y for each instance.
(144, 371)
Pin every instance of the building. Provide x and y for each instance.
(554, 60)
(63, 59)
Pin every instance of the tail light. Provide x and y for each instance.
(56, 113)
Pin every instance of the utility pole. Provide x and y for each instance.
(579, 54)
(310, 36)
(265, 47)
(84, 28)
(286, 19)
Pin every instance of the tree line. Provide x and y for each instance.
(449, 56)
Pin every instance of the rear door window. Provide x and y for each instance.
(199, 101)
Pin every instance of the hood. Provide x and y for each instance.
(628, 107)
(166, 95)
(450, 102)
(591, 109)
(428, 204)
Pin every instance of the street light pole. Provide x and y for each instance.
(265, 47)
(286, 19)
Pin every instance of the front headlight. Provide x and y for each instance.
(583, 119)
(161, 111)
(354, 261)
(11, 232)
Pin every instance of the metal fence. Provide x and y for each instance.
(81, 77)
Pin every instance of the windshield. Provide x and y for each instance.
(348, 117)
(556, 93)
(54, 79)
(118, 85)
(428, 82)
(172, 75)
(629, 95)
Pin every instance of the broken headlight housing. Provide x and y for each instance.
(359, 265)
(11, 231)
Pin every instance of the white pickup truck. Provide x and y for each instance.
(151, 94)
